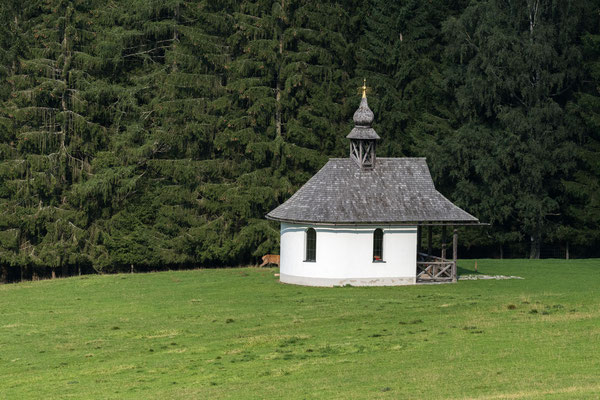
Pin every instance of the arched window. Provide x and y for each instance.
(311, 245)
(378, 245)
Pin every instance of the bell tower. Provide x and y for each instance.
(363, 138)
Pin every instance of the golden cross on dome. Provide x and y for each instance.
(364, 87)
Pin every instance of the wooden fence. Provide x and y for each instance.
(435, 269)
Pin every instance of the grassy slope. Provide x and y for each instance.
(238, 333)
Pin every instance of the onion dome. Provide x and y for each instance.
(363, 118)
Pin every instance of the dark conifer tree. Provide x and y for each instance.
(401, 54)
(514, 65)
(159, 133)
(286, 89)
(581, 210)
(53, 133)
(176, 56)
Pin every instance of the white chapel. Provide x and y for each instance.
(358, 221)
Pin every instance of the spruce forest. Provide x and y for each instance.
(154, 134)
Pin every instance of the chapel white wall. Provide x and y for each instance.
(345, 255)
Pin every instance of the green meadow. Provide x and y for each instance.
(240, 334)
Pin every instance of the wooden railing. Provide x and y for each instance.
(435, 269)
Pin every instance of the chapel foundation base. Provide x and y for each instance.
(331, 282)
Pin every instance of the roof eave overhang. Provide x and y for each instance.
(422, 223)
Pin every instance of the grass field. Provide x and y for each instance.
(238, 333)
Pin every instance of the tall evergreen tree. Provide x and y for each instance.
(53, 133)
(400, 54)
(285, 86)
(159, 133)
(582, 210)
(176, 57)
(514, 65)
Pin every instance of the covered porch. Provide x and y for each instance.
(431, 268)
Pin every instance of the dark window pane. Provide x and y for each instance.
(311, 245)
(378, 245)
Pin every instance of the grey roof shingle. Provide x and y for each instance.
(397, 190)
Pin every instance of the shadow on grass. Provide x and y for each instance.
(465, 271)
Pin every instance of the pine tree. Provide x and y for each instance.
(285, 117)
(53, 132)
(514, 66)
(582, 210)
(158, 134)
(11, 48)
(400, 55)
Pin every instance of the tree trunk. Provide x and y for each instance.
(175, 38)
(501, 251)
(14, 64)
(533, 11)
(536, 244)
(567, 250)
(66, 117)
(278, 93)
(278, 79)
(53, 274)
(278, 109)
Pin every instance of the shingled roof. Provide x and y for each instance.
(397, 190)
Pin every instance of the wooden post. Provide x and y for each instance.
(443, 242)
(418, 240)
(429, 241)
(454, 254)
(455, 245)
(567, 250)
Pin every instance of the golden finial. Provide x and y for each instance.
(364, 87)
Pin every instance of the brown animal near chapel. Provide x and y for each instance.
(270, 259)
